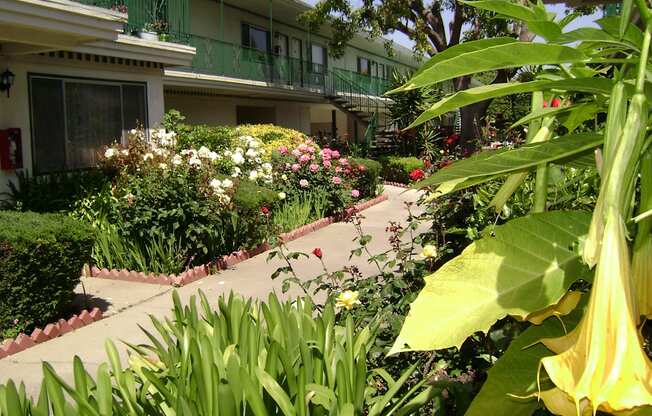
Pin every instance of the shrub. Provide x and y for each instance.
(368, 181)
(398, 169)
(216, 138)
(272, 136)
(41, 259)
(54, 192)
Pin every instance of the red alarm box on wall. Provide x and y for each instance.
(11, 149)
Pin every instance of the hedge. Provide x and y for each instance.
(397, 169)
(369, 180)
(41, 260)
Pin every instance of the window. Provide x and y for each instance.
(318, 57)
(73, 118)
(381, 71)
(280, 44)
(363, 66)
(255, 38)
(374, 69)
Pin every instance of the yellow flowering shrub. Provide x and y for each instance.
(272, 136)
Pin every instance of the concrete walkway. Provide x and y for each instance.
(129, 304)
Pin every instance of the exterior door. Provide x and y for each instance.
(296, 61)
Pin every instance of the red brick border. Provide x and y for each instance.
(397, 184)
(227, 261)
(51, 331)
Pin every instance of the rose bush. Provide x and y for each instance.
(307, 170)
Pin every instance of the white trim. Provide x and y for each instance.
(131, 47)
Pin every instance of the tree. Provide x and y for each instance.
(424, 24)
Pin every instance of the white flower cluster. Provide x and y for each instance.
(164, 138)
(196, 157)
(249, 160)
(220, 187)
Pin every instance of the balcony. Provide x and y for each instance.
(216, 57)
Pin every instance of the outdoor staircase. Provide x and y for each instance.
(369, 110)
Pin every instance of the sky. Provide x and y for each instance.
(555, 8)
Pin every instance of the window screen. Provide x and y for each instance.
(72, 119)
(363, 66)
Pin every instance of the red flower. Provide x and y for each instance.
(361, 168)
(264, 210)
(545, 104)
(556, 102)
(317, 252)
(452, 139)
(417, 174)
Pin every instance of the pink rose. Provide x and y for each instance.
(311, 149)
(344, 162)
(338, 169)
(302, 147)
(304, 159)
(304, 183)
(314, 168)
(283, 150)
(336, 180)
(296, 153)
(326, 153)
(335, 154)
(295, 167)
(355, 193)
(327, 163)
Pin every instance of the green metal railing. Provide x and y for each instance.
(222, 58)
(357, 97)
(373, 85)
(161, 16)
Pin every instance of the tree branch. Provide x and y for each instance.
(456, 25)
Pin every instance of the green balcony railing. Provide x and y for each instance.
(373, 85)
(222, 58)
(163, 16)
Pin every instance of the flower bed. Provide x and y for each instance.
(223, 262)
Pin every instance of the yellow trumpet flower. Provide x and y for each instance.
(601, 364)
(347, 300)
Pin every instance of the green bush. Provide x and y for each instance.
(397, 169)
(216, 138)
(54, 192)
(368, 181)
(41, 260)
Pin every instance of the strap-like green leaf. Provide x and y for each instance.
(527, 265)
(504, 161)
(511, 55)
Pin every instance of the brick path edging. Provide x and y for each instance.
(227, 261)
(50, 331)
(397, 184)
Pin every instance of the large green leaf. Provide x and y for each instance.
(515, 373)
(507, 8)
(510, 55)
(495, 162)
(527, 265)
(591, 34)
(485, 92)
(589, 108)
(471, 46)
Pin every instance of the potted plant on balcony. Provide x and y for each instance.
(148, 32)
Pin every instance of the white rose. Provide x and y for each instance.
(162, 166)
(237, 158)
(148, 156)
(251, 153)
(176, 160)
(284, 177)
(254, 144)
(213, 156)
(253, 175)
(125, 152)
(110, 152)
(194, 161)
(215, 183)
(267, 166)
(227, 183)
(204, 152)
(281, 195)
(236, 172)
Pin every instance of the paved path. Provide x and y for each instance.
(129, 304)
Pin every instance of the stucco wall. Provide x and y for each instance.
(15, 111)
(219, 110)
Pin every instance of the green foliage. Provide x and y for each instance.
(216, 138)
(368, 181)
(397, 169)
(41, 260)
(300, 210)
(537, 255)
(289, 360)
(54, 192)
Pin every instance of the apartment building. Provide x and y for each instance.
(78, 75)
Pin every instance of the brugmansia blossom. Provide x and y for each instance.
(601, 364)
(347, 300)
